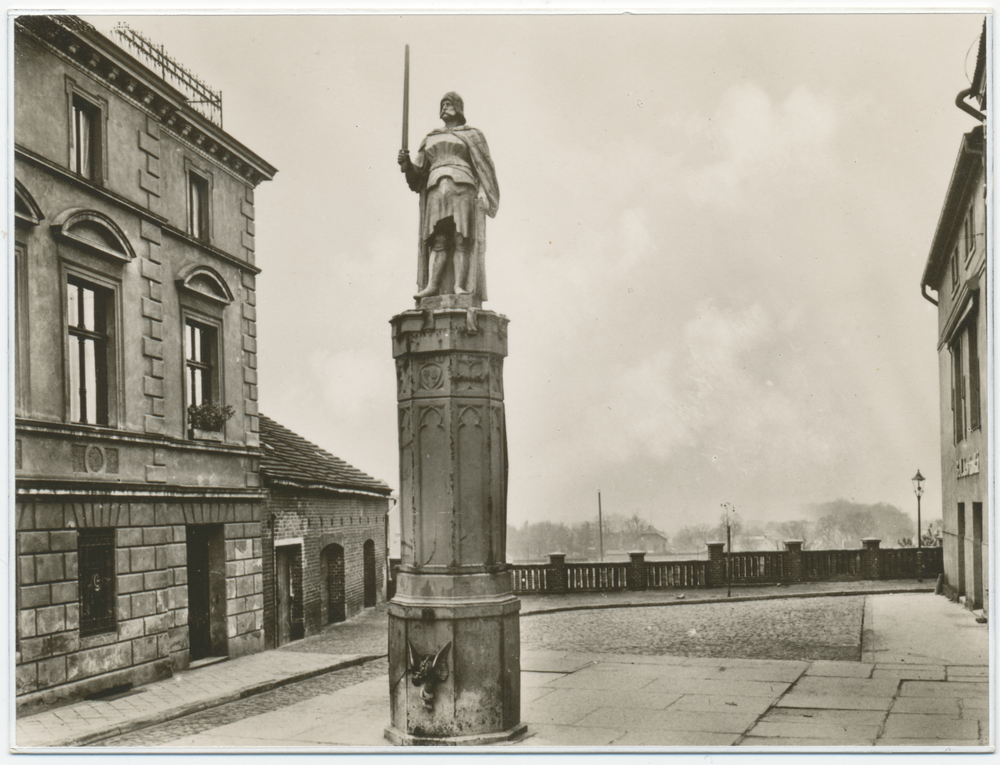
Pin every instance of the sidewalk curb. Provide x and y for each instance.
(199, 706)
(737, 599)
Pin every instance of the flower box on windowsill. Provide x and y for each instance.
(206, 435)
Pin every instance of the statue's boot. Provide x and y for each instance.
(434, 278)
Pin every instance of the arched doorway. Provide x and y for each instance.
(332, 579)
(371, 578)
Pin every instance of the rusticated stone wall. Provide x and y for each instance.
(150, 637)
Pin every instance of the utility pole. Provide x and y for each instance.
(729, 548)
(600, 529)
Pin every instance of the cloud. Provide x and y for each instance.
(751, 138)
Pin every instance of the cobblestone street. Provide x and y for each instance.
(367, 633)
(795, 629)
(250, 707)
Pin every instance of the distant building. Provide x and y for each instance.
(138, 543)
(651, 542)
(324, 537)
(956, 271)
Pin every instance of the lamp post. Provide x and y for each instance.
(918, 489)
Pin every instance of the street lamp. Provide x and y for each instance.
(918, 489)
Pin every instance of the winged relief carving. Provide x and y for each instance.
(427, 670)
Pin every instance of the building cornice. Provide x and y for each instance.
(331, 488)
(38, 488)
(94, 433)
(967, 169)
(20, 152)
(26, 154)
(221, 254)
(89, 51)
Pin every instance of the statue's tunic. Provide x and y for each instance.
(451, 184)
(455, 176)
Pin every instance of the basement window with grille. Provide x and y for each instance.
(96, 566)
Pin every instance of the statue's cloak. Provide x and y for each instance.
(486, 175)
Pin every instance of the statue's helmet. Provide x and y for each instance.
(456, 101)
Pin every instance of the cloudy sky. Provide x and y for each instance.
(709, 243)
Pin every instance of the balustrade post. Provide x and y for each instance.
(794, 558)
(637, 579)
(557, 573)
(715, 572)
(870, 568)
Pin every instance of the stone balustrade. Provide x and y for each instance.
(788, 566)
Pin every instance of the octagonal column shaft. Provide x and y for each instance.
(454, 666)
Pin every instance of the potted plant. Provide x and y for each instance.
(207, 420)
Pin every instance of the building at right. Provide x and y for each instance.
(956, 272)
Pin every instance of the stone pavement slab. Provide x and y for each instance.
(834, 733)
(931, 727)
(846, 686)
(960, 690)
(665, 738)
(818, 701)
(840, 669)
(923, 629)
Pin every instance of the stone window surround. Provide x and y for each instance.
(115, 361)
(210, 316)
(207, 177)
(100, 141)
(959, 333)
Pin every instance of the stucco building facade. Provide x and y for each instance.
(138, 545)
(956, 272)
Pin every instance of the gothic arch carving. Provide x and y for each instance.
(95, 232)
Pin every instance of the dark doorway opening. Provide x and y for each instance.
(332, 583)
(206, 569)
(961, 549)
(288, 591)
(977, 554)
(371, 576)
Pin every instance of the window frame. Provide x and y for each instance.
(958, 397)
(79, 100)
(974, 419)
(969, 233)
(215, 365)
(198, 177)
(209, 346)
(22, 331)
(94, 567)
(82, 338)
(113, 393)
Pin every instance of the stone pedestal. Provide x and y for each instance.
(454, 642)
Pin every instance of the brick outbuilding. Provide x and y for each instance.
(323, 534)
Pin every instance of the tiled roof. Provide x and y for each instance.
(290, 459)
